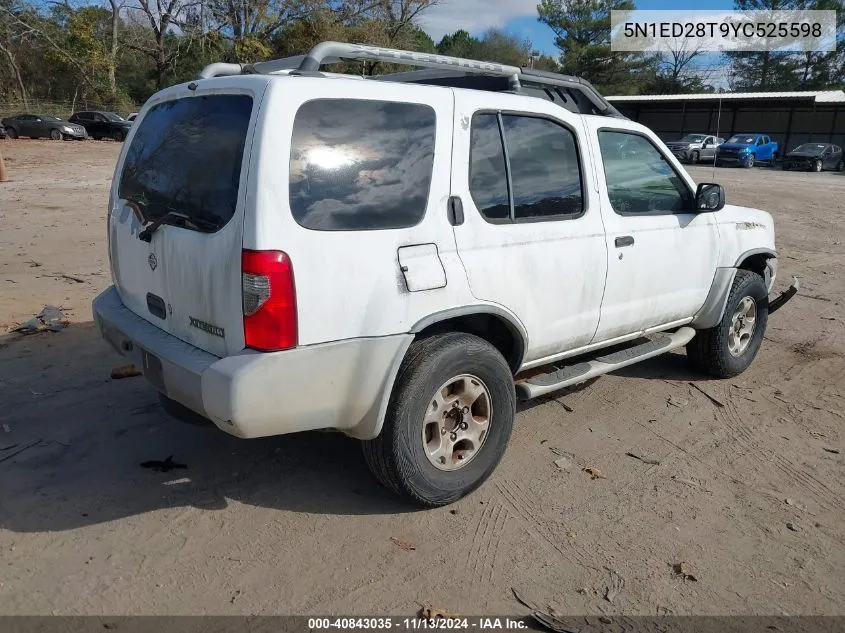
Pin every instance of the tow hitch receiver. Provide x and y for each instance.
(786, 295)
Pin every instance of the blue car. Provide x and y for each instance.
(746, 150)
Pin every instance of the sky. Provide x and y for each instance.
(519, 17)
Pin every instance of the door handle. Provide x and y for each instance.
(625, 240)
(455, 211)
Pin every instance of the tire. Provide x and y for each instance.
(750, 162)
(398, 456)
(693, 158)
(11, 132)
(710, 350)
(817, 166)
(839, 167)
(55, 135)
(119, 136)
(97, 138)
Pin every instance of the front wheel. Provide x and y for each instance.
(55, 135)
(749, 162)
(448, 421)
(817, 166)
(693, 158)
(728, 348)
(119, 136)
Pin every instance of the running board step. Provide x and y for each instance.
(568, 375)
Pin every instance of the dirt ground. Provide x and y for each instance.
(750, 494)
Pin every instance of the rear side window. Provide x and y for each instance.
(359, 165)
(524, 168)
(186, 158)
(545, 173)
(488, 177)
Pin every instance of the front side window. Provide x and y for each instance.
(539, 177)
(639, 179)
(361, 165)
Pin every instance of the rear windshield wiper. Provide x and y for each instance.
(188, 222)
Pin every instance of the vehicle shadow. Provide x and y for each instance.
(72, 443)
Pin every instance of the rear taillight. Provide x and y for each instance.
(269, 300)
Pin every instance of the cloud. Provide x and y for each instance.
(473, 15)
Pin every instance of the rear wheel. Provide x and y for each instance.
(11, 132)
(728, 348)
(448, 421)
(55, 135)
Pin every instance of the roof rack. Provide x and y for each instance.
(571, 92)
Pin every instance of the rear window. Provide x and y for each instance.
(185, 159)
(361, 165)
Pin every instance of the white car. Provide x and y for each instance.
(389, 258)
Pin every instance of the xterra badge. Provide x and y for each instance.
(207, 327)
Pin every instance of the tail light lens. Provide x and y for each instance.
(269, 300)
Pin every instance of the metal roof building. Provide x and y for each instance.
(790, 118)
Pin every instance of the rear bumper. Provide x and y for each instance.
(342, 385)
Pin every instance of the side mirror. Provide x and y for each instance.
(709, 197)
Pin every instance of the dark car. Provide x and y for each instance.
(103, 124)
(42, 126)
(814, 157)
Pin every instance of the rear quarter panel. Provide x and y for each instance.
(349, 283)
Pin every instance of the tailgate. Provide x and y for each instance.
(183, 178)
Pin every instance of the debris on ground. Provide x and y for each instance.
(712, 399)
(405, 545)
(565, 406)
(613, 588)
(163, 466)
(595, 473)
(427, 612)
(50, 319)
(548, 619)
(835, 451)
(74, 278)
(688, 482)
(670, 401)
(683, 570)
(33, 264)
(20, 449)
(565, 461)
(644, 460)
(126, 371)
(791, 526)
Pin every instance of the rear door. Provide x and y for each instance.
(187, 163)
(532, 239)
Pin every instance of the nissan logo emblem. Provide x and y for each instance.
(152, 261)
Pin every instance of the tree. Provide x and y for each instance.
(582, 34)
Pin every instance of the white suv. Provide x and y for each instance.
(401, 258)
